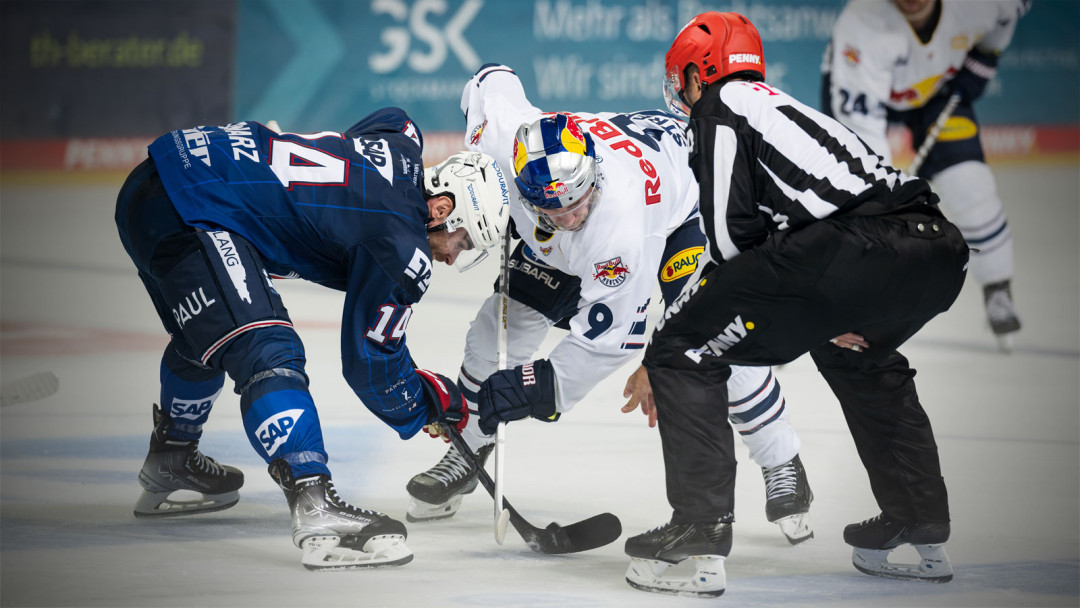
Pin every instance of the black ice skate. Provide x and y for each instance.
(652, 553)
(874, 538)
(787, 500)
(333, 534)
(1001, 313)
(174, 466)
(437, 492)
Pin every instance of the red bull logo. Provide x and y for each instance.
(612, 272)
(554, 190)
(478, 132)
(851, 54)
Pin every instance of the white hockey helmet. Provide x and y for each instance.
(477, 185)
(555, 169)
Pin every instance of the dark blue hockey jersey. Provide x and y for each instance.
(345, 210)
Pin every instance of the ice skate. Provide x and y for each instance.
(178, 479)
(1001, 313)
(874, 538)
(701, 546)
(437, 492)
(787, 500)
(333, 534)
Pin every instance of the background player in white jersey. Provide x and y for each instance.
(608, 203)
(899, 61)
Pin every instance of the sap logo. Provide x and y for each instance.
(415, 24)
(377, 154)
(732, 335)
(191, 306)
(188, 409)
(274, 431)
(744, 58)
(196, 142)
(419, 270)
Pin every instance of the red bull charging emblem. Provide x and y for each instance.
(612, 272)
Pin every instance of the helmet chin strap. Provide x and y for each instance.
(438, 228)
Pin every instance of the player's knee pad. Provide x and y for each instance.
(281, 421)
(527, 329)
(188, 392)
(214, 288)
(970, 200)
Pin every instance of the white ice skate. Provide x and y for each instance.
(680, 559)
(874, 539)
(333, 534)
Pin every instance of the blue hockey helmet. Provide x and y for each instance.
(555, 171)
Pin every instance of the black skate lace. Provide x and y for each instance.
(453, 466)
(780, 481)
(206, 464)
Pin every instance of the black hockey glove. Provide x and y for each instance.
(446, 404)
(971, 81)
(513, 394)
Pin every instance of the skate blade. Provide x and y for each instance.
(708, 580)
(161, 504)
(796, 528)
(420, 511)
(934, 566)
(325, 553)
(1005, 343)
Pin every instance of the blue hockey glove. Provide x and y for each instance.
(446, 404)
(513, 394)
(971, 81)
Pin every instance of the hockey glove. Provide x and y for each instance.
(971, 80)
(446, 404)
(513, 394)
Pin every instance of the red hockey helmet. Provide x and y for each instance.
(719, 44)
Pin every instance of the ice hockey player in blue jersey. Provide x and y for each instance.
(211, 216)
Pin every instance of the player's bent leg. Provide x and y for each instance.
(437, 493)
(758, 412)
(970, 200)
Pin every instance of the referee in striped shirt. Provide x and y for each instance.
(814, 245)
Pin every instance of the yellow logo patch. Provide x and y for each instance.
(958, 128)
(681, 264)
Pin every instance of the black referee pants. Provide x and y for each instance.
(883, 277)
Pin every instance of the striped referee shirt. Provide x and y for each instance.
(766, 162)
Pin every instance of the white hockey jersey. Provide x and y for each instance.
(648, 191)
(876, 61)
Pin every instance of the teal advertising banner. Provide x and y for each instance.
(317, 64)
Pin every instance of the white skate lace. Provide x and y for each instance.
(452, 467)
(335, 499)
(205, 464)
(999, 306)
(780, 481)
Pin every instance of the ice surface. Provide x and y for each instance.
(70, 302)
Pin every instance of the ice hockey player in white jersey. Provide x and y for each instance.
(900, 61)
(607, 202)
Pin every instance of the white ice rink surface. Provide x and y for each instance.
(1007, 427)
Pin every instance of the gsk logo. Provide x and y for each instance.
(415, 24)
(274, 431)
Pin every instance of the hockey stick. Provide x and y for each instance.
(935, 131)
(30, 388)
(502, 515)
(586, 534)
